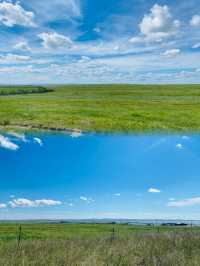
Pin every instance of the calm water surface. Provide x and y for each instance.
(58, 176)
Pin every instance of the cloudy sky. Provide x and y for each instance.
(47, 176)
(93, 41)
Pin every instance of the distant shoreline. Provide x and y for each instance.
(142, 222)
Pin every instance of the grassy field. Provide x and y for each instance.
(96, 245)
(106, 108)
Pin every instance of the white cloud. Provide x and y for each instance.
(3, 205)
(196, 46)
(195, 21)
(154, 190)
(14, 14)
(74, 7)
(55, 40)
(47, 202)
(136, 40)
(13, 58)
(86, 199)
(84, 59)
(171, 199)
(185, 137)
(23, 203)
(19, 69)
(159, 24)
(22, 46)
(7, 144)
(38, 140)
(171, 53)
(83, 198)
(56, 9)
(185, 202)
(117, 194)
(138, 68)
(179, 146)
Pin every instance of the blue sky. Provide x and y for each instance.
(99, 176)
(90, 41)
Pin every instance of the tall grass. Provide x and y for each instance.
(142, 249)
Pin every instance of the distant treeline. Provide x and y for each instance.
(23, 90)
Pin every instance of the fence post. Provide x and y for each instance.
(113, 234)
(19, 235)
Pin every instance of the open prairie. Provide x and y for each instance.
(98, 244)
(105, 108)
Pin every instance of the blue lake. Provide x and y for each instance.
(62, 176)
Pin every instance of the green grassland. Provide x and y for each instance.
(96, 245)
(106, 108)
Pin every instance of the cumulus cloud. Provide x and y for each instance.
(171, 53)
(47, 202)
(7, 144)
(154, 190)
(179, 146)
(86, 199)
(3, 205)
(38, 141)
(54, 40)
(23, 203)
(185, 202)
(13, 58)
(22, 46)
(14, 14)
(159, 23)
(195, 21)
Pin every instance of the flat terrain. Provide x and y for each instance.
(97, 245)
(122, 108)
